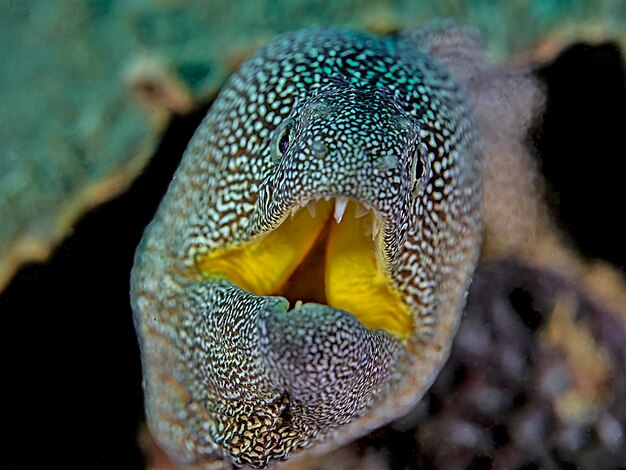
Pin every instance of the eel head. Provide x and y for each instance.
(334, 209)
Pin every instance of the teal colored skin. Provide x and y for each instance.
(235, 378)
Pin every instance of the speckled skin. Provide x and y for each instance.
(231, 377)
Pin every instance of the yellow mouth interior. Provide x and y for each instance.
(315, 259)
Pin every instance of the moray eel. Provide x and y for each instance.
(304, 276)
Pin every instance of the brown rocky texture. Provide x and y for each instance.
(536, 379)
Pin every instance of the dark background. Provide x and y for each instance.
(72, 375)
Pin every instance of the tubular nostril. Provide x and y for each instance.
(388, 162)
(319, 148)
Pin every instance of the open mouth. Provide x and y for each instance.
(327, 252)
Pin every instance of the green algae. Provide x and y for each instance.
(68, 119)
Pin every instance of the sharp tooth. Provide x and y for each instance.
(298, 304)
(340, 208)
(375, 227)
(361, 210)
(326, 198)
(311, 207)
(294, 210)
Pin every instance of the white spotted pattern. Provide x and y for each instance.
(233, 377)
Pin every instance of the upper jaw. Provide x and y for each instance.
(340, 209)
(276, 204)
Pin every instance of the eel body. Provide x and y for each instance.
(304, 276)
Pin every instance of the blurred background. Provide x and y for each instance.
(98, 99)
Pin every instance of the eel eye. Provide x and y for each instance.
(420, 169)
(281, 140)
(283, 143)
